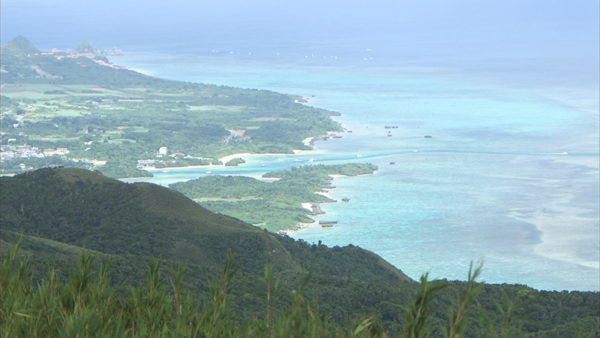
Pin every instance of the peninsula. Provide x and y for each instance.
(76, 109)
(284, 204)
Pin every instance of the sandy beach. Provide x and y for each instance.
(308, 206)
(153, 168)
(300, 152)
(228, 158)
(303, 225)
(298, 227)
(223, 160)
(307, 142)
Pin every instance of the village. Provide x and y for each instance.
(24, 152)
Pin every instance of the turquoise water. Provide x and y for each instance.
(509, 176)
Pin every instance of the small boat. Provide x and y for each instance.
(427, 136)
(392, 163)
(345, 199)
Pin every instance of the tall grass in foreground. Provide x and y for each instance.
(87, 305)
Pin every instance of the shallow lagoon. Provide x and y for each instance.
(508, 177)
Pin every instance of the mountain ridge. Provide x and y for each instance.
(60, 211)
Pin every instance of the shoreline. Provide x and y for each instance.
(309, 142)
(311, 213)
(308, 206)
(223, 159)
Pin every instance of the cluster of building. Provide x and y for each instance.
(237, 135)
(163, 156)
(9, 152)
(164, 151)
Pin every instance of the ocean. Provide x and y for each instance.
(505, 91)
(479, 167)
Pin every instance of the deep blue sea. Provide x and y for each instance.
(509, 176)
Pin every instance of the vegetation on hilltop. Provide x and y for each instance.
(235, 161)
(20, 46)
(270, 205)
(60, 211)
(89, 303)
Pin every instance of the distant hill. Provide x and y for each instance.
(60, 211)
(22, 62)
(86, 47)
(20, 46)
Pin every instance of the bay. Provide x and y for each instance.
(474, 169)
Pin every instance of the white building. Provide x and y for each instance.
(7, 155)
(163, 151)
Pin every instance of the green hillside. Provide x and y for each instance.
(274, 205)
(75, 109)
(59, 211)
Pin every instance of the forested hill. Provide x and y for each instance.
(76, 109)
(86, 209)
(60, 211)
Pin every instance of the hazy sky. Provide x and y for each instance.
(489, 22)
(548, 30)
